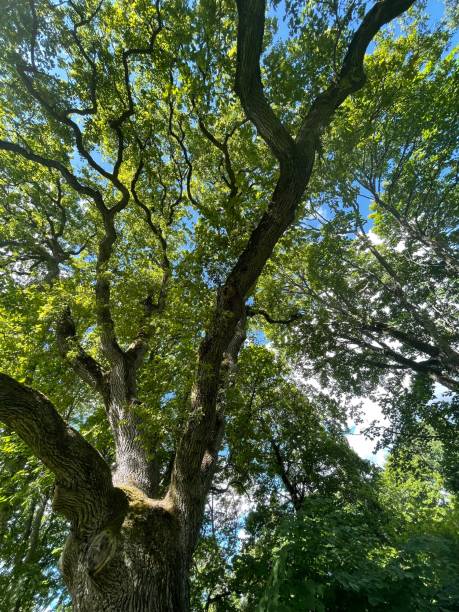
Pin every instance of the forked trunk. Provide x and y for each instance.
(137, 558)
(138, 567)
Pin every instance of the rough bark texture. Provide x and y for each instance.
(143, 562)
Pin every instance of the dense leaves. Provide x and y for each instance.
(131, 180)
(375, 272)
(394, 547)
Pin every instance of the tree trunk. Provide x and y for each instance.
(135, 464)
(138, 567)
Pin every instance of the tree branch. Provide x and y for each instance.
(196, 455)
(87, 368)
(180, 139)
(416, 343)
(108, 338)
(248, 83)
(431, 367)
(433, 244)
(139, 346)
(105, 320)
(292, 490)
(254, 312)
(230, 180)
(84, 492)
(418, 313)
(71, 179)
(352, 75)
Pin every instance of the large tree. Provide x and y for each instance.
(141, 202)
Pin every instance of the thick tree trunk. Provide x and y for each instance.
(139, 567)
(142, 564)
(126, 551)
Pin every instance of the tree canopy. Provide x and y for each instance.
(221, 221)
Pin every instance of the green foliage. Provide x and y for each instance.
(285, 435)
(30, 535)
(318, 529)
(394, 548)
(372, 265)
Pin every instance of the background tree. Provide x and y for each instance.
(384, 539)
(396, 550)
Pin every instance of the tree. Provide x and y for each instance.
(287, 439)
(383, 539)
(393, 547)
(285, 445)
(148, 210)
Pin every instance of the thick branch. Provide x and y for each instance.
(108, 338)
(84, 365)
(254, 312)
(197, 452)
(416, 343)
(248, 84)
(431, 367)
(196, 456)
(84, 491)
(352, 75)
(34, 535)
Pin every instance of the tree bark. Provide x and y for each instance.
(135, 464)
(139, 568)
(126, 551)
